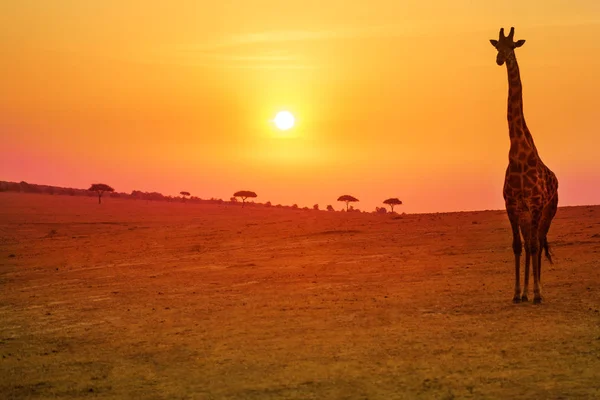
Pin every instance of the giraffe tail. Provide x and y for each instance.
(547, 251)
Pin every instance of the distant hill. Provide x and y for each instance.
(24, 187)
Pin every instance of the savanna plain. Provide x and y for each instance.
(158, 300)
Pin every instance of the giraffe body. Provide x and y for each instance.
(530, 187)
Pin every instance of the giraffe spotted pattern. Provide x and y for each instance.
(530, 187)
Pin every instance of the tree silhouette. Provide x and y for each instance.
(244, 194)
(100, 188)
(392, 202)
(330, 207)
(347, 198)
(184, 194)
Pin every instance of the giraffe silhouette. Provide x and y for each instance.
(530, 187)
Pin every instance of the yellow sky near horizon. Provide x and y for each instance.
(392, 98)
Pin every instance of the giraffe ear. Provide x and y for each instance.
(519, 43)
(494, 42)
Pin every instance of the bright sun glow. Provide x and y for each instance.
(284, 120)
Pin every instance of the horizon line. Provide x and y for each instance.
(283, 205)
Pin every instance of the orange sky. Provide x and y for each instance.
(392, 98)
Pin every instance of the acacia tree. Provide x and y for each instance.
(347, 198)
(100, 188)
(244, 194)
(392, 202)
(184, 194)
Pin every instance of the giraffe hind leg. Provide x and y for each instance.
(524, 297)
(547, 215)
(536, 249)
(547, 251)
(526, 231)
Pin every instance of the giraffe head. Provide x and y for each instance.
(506, 46)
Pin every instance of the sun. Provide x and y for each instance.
(284, 120)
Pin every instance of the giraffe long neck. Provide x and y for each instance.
(520, 137)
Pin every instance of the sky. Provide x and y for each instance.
(392, 98)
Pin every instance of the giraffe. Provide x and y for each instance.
(530, 187)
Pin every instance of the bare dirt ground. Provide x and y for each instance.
(134, 299)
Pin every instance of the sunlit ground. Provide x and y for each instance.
(137, 299)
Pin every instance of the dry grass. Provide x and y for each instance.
(133, 299)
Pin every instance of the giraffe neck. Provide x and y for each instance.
(520, 137)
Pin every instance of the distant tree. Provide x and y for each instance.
(100, 188)
(244, 194)
(347, 198)
(268, 204)
(392, 202)
(295, 206)
(380, 210)
(330, 208)
(184, 194)
(233, 199)
(316, 207)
